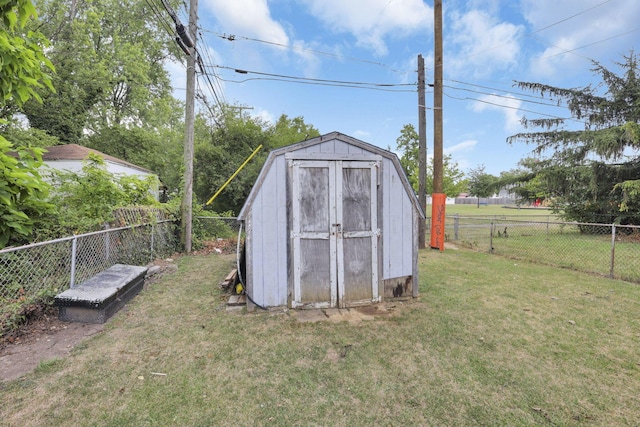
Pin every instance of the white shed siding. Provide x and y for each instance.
(265, 215)
(397, 215)
(332, 147)
(397, 233)
(269, 233)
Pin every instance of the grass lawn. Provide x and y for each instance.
(490, 341)
(493, 210)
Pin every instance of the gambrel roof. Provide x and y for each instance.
(322, 139)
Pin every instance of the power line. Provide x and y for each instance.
(208, 80)
(317, 84)
(513, 108)
(569, 17)
(506, 97)
(233, 37)
(207, 62)
(587, 45)
(283, 77)
(161, 17)
(542, 29)
(493, 88)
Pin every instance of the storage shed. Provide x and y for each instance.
(330, 222)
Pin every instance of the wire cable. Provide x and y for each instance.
(233, 37)
(541, 29)
(308, 80)
(513, 108)
(584, 46)
(161, 18)
(507, 97)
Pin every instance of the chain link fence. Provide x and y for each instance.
(217, 227)
(606, 249)
(35, 273)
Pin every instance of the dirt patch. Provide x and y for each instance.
(377, 309)
(43, 337)
(218, 246)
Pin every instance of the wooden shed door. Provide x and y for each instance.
(334, 233)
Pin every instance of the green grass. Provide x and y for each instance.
(552, 243)
(491, 210)
(490, 341)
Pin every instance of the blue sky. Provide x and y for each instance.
(487, 45)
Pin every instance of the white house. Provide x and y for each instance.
(70, 157)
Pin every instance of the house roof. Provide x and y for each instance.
(79, 152)
(324, 138)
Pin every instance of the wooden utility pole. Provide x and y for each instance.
(186, 209)
(438, 199)
(437, 99)
(422, 161)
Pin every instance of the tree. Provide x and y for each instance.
(219, 153)
(158, 149)
(110, 61)
(113, 91)
(525, 182)
(409, 144)
(87, 199)
(593, 171)
(288, 131)
(22, 56)
(23, 193)
(453, 179)
(218, 157)
(481, 184)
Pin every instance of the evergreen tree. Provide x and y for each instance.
(593, 171)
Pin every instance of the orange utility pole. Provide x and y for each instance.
(438, 198)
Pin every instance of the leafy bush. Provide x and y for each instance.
(87, 200)
(208, 225)
(23, 193)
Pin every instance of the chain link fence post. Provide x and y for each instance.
(456, 226)
(153, 234)
(107, 243)
(492, 225)
(613, 250)
(74, 249)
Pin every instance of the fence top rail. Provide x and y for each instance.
(75, 236)
(234, 218)
(590, 224)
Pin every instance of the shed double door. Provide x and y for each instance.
(334, 232)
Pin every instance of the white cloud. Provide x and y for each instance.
(506, 104)
(264, 115)
(178, 77)
(482, 44)
(371, 21)
(361, 134)
(464, 146)
(309, 61)
(595, 30)
(457, 153)
(249, 18)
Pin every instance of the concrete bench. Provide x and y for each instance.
(100, 297)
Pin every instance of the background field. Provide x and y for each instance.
(491, 210)
(490, 341)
